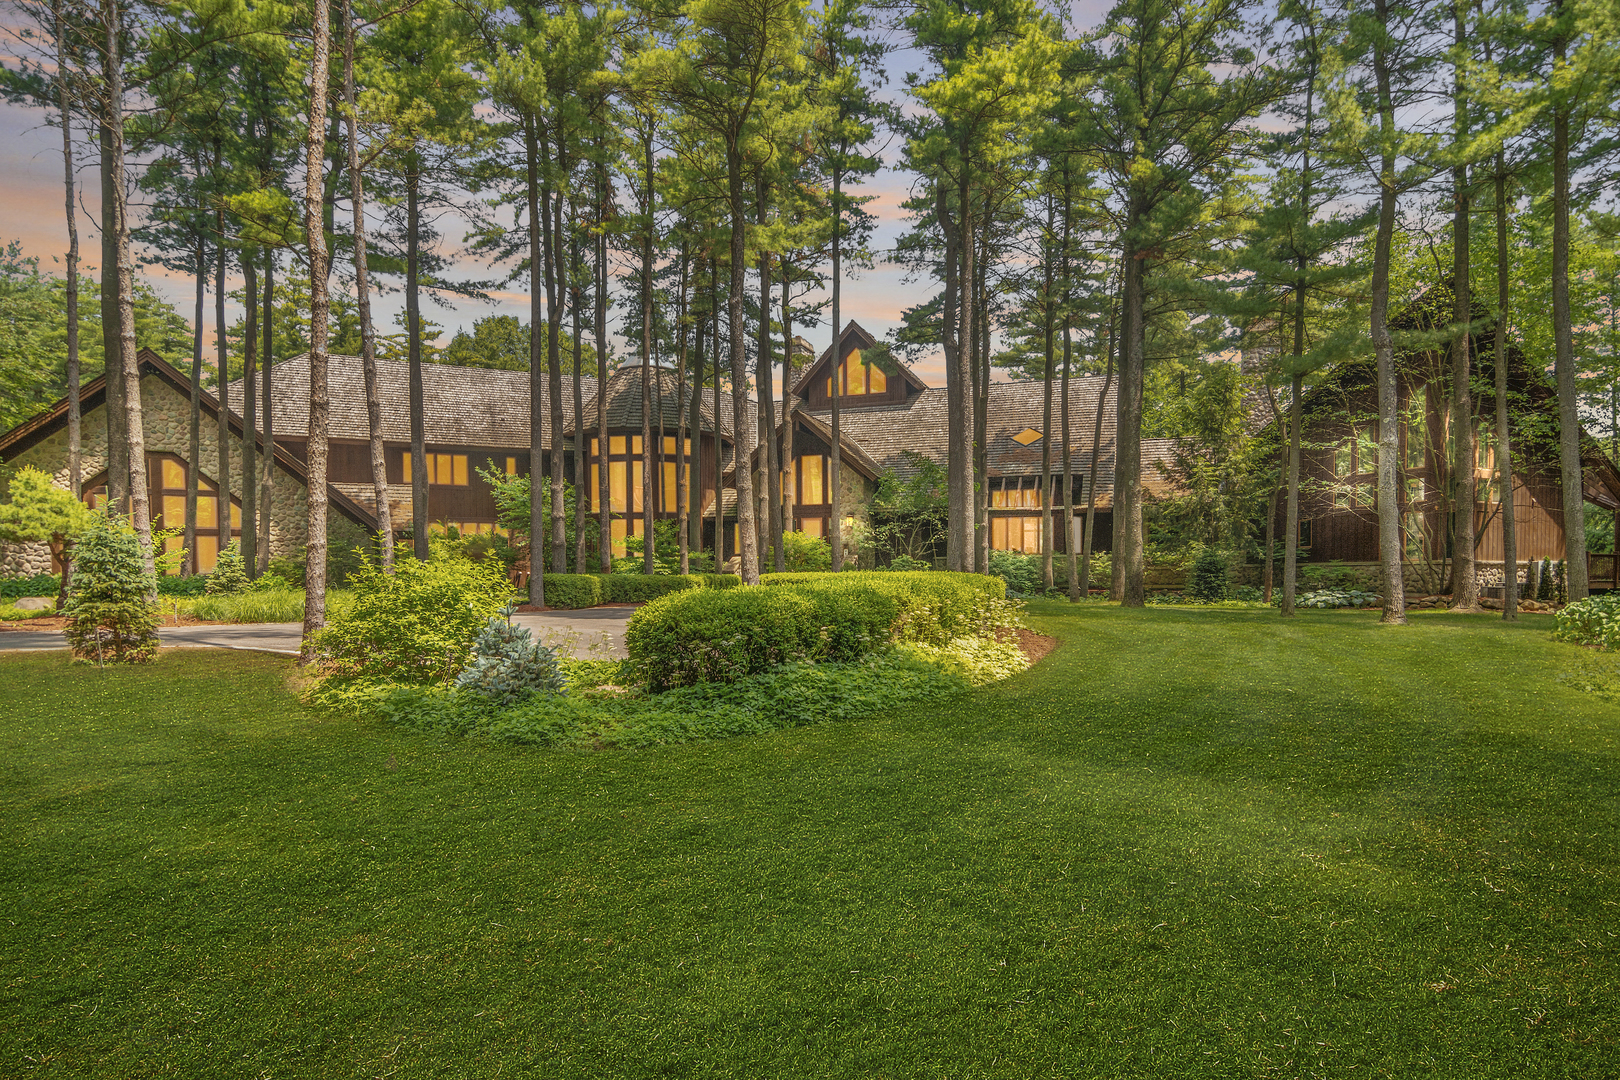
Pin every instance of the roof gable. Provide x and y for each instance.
(855, 336)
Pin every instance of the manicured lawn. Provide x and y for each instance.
(1188, 844)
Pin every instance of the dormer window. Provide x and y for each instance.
(1027, 436)
(857, 378)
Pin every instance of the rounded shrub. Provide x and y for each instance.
(1594, 622)
(1210, 577)
(705, 635)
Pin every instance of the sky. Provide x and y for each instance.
(32, 212)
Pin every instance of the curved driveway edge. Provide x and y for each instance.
(590, 633)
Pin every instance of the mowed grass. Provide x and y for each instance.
(1188, 844)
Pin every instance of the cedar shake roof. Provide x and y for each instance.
(624, 402)
(461, 406)
(93, 394)
(885, 432)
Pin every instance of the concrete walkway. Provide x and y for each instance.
(590, 633)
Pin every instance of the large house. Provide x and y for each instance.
(1338, 461)
(476, 418)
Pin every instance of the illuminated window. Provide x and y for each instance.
(511, 466)
(856, 378)
(615, 444)
(813, 526)
(445, 470)
(812, 472)
(1027, 436)
(1021, 533)
(616, 485)
(669, 446)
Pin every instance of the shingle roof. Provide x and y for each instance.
(886, 432)
(461, 406)
(624, 401)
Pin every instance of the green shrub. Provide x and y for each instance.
(508, 665)
(175, 585)
(803, 552)
(904, 562)
(932, 606)
(12, 613)
(704, 635)
(1210, 577)
(109, 617)
(719, 581)
(573, 590)
(1338, 576)
(15, 588)
(229, 576)
(291, 570)
(1594, 621)
(414, 626)
(635, 588)
(1021, 572)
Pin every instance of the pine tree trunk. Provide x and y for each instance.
(789, 496)
(684, 549)
(1050, 357)
(746, 525)
(140, 505)
(194, 447)
(112, 348)
(1389, 509)
(719, 450)
(692, 503)
(362, 284)
(1569, 416)
(1128, 562)
(250, 374)
(835, 523)
(413, 345)
(222, 381)
(647, 541)
(557, 287)
(266, 515)
(319, 311)
(604, 511)
(1465, 583)
(771, 535)
(537, 372)
(74, 418)
(1504, 453)
(1096, 452)
(1291, 530)
(581, 489)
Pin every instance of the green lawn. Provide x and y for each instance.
(1188, 844)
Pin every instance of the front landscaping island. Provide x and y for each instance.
(1188, 843)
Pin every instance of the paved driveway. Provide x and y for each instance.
(592, 633)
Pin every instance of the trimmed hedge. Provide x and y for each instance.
(707, 635)
(932, 607)
(589, 590)
(573, 590)
(634, 588)
(15, 588)
(714, 636)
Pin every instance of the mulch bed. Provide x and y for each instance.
(1035, 646)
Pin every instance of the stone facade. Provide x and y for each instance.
(167, 420)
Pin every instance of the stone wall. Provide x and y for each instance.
(166, 416)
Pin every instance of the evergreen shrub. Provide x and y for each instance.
(635, 588)
(182, 586)
(904, 562)
(229, 575)
(1209, 579)
(704, 635)
(508, 665)
(719, 581)
(573, 590)
(110, 619)
(933, 606)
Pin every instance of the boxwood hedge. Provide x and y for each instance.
(721, 636)
(589, 590)
(573, 590)
(932, 606)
